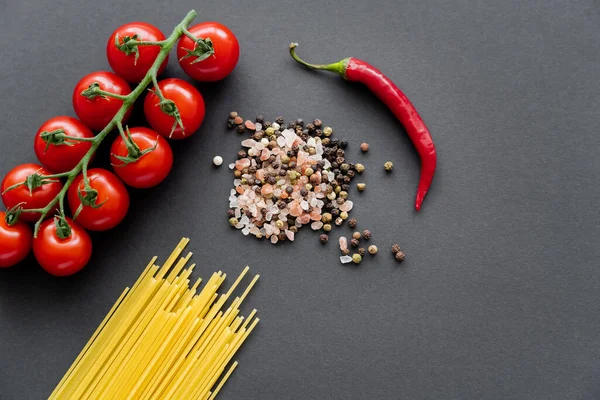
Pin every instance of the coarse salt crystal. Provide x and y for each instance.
(274, 240)
(304, 205)
(347, 206)
(290, 235)
(316, 225)
(343, 243)
(232, 166)
(246, 231)
(275, 126)
(248, 143)
(345, 259)
(258, 126)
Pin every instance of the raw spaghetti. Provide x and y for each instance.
(162, 339)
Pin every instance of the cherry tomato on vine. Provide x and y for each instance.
(39, 197)
(148, 170)
(62, 257)
(96, 113)
(62, 157)
(189, 102)
(226, 47)
(112, 195)
(129, 67)
(15, 242)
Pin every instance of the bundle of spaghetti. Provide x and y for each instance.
(162, 339)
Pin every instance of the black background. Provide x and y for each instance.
(498, 297)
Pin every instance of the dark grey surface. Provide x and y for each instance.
(499, 296)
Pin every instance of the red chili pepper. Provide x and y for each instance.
(356, 70)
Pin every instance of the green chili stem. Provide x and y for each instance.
(166, 46)
(337, 67)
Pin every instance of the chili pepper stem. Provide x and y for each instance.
(337, 67)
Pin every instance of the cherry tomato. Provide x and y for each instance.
(63, 157)
(62, 257)
(189, 101)
(151, 168)
(98, 112)
(15, 242)
(111, 192)
(38, 198)
(227, 52)
(127, 66)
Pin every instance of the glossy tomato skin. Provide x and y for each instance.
(150, 169)
(126, 66)
(189, 101)
(62, 158)
(227, 52)
(15, 242)
(98, 112)
(39, 198)
(62, 257)
(111, 191)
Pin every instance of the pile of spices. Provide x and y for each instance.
(355, 243)
(287, 176)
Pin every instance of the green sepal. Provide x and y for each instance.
(63, 229)
(128, 46)
(203, 48)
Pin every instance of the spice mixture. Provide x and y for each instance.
(287, 176)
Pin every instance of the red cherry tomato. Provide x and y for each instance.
(38, 198)
(64, 157)
(126, 66)
(151, 168)
(62, 257)
(227, 52)
(98, 112)
(15, 242)
(112, 194)
(189, 101)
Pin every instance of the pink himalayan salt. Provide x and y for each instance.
(303, 219)
(295, 209)
(290, 235)
(343, 244)
(267, 191)
(315, 214)
(260, 174)
(239, 189)
(241, 164)
(347, 206)
(316, 225)
(264, 155)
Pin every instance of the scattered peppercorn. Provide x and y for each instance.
(327, 227)
(356, 235)
(388, 166)
(345, 252)
(233, 221)
(362, 251)
(233, 115)
(343, 143)
(231, 213)
(279, 120)
(339, 221)
(241, 129)
(356, 258)
(344, 215)
(395, 248)
(323, 238)
(354, 242)
(317, 123)
(352, 222)
(359, 168)
(373, 249)
(241, 154)
(366, 234)
(361, 186)
(327, 131)
(400, 256)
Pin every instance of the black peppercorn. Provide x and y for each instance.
(257, 190)
(340, 153)
(230, 123)
(292, 164)
(271, 180)
(295, 149)
(400, 255)
(275, 165)
(354, 242)
(351, 174)
(303, 192)
(281, 204)
(335, 141)
(271, 159)
(289, 190)
(343, 143)
(328, 206)
(292, 125)
(347, 179)
(231, 213)
(323, 238)
(266, 124)
(319, 133)
(281, 236)
(241, 128)
(362, 251)
(299, 122)
(335, 212)
(252, 169)
(345, 187)
(260, 119)
(249, 181)
(317, 122)
(335, 165)
(282, 172)
(258, 135)
(366, 234)
(241, 154)
(310, 127)
(279, 120)
(352, 222)
(339, 160)
(334, 183)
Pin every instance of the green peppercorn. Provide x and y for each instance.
(327, 131)
(359, 168)
(361, 186)
(388, 166)
(337, 190)
(270, 131)
(343, 194)
(344, 215)
(326, 227)
(237, 173)
(356, 258)
(233, 221)
(352, 222)
(362, 251)
(312, 151)
(326, 217)
(279, 224)
(373, 249)
(308, 187)
(344, 167)
(259, 235)
(309, 171)
(285, 159)
(331, 196)
(244, 181)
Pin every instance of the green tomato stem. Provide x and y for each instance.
(166, 46)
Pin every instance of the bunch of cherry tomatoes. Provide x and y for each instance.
(65, 256)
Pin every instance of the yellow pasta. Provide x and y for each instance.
(162, 339)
